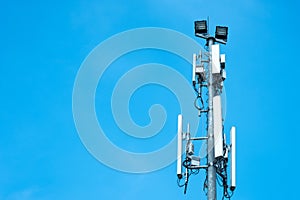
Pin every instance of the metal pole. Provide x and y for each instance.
(211, 171)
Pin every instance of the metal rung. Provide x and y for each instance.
(199, 138)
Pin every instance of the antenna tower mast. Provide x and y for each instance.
(208, 73)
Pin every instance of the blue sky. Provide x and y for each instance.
(43, 44)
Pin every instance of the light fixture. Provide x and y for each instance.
(221, 33)
(201, 27)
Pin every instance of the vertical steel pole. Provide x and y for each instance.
(211, 171)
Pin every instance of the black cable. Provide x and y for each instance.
(195, 88)
(221, 170)
(185, 185)
(186, 163)
(219, 181)
(178, 183)
(202, 103)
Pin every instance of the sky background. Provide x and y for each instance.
(43, 44)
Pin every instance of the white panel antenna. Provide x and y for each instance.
(233, 158)
(179, 147)
(194, 68)
(215, 56)
(218, 126)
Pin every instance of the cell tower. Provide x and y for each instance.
(209, 75)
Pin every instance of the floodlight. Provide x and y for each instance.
(221, 33)
(201, 27)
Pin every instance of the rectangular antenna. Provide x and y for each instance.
(179, 147)
(194, 68)
(233, 158)
(218, 126)
(215, 58)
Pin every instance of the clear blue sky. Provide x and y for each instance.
(43, 44)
